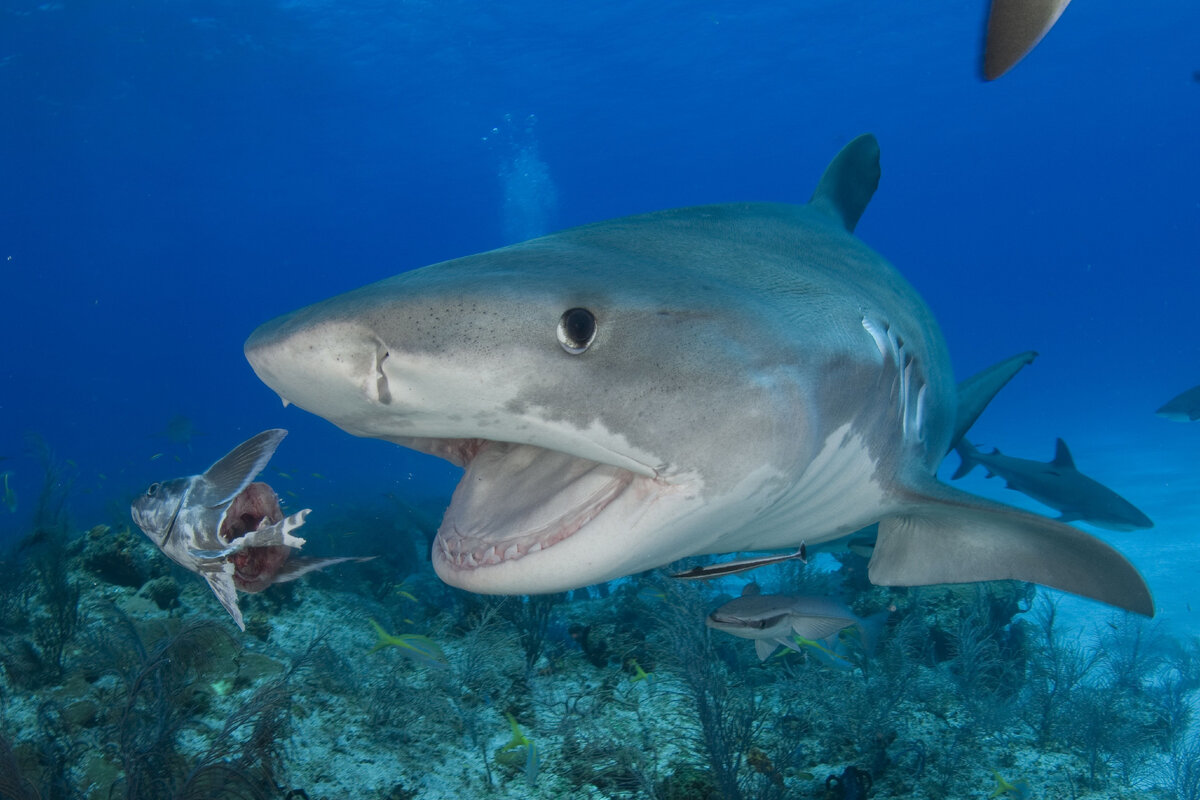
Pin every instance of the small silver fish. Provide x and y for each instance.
(226, 528)
(739, 565)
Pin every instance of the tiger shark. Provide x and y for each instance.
(713, 379)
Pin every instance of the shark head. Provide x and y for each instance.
(745, 376)
(603, 428)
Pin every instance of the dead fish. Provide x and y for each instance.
(226, 528)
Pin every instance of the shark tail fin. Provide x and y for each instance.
(225, 479)
(977, 391)
(947, 536)
(970, 459)
(849, 182)
(1062, 456)
(1014, 27)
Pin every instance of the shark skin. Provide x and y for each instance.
(1058, 484)
(715, 379)
(1014, 28)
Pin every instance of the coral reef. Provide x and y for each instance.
(120, 681)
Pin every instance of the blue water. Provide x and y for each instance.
(176, 173)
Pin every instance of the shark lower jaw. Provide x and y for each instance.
(528, 520)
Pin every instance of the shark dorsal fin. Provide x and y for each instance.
(849, 182)
(233, 473)
(977, 391)
(1062, 456)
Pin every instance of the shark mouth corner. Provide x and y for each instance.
(515, 500)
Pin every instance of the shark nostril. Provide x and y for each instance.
(382, 392)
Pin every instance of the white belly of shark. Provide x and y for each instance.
(700, 380)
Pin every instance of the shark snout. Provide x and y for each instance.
(331, 367)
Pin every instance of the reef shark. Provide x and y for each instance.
(714, 379)
(1058, 484)
(1184, 407)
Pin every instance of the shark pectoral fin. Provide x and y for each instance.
(947, 536)
(788, 642)
(294, 568)
(220, 580)
(764, 648)
(849, 182)
(977, 391)
(225, 479)
(1014, 27)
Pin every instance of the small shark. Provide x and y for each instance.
(772, 620)
(715, 379)
(180, 429)
(1058, 484)
(1014, 28)
(1183, 407)
(226, 528)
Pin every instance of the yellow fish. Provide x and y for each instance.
(417, 647)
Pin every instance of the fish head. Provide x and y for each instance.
(156, 511)
(753, 617)
(608, 415)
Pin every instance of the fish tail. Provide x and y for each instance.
(969, 455)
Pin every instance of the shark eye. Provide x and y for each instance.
(576, 330)
(153, 490)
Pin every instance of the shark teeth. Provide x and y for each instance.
(467, 552)
(517, 499)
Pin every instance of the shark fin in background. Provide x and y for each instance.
(1062, 456)
(969, 455)
(977, 391)
(948, 536)
(1014, 27)
(849, 182)
(1184, 407)
(225, 479)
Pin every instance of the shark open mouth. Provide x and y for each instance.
(519, 499)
